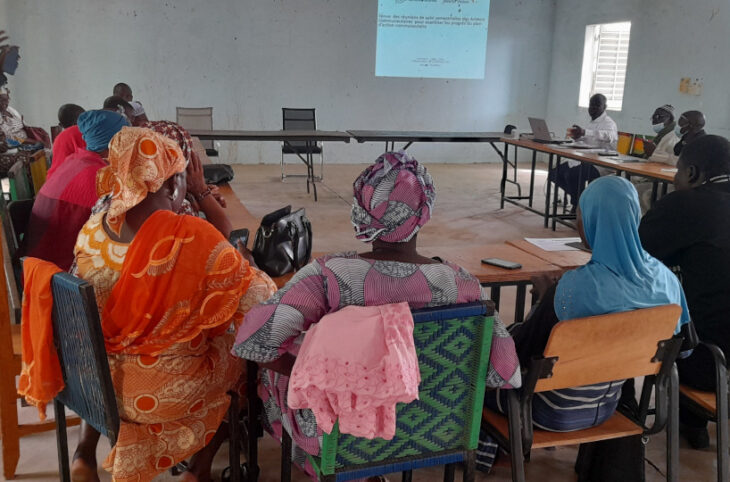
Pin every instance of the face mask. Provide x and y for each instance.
(658, 127)
(678, 130)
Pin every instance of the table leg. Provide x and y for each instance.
(665, 186)
(503, 184)
(532, 177)
(555, 198)
(520, 303)
(549, 186)
(654, 192)
(494, 295)
(310, 169)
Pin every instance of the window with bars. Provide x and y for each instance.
(605, 57)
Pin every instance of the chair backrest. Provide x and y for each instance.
(80, 345)
(19, 216)
(55, 130)
(453, 345)
(38, 170)
(196, 118)
(298, 120)
(20, 183)
(605, 348)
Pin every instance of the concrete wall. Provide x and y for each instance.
(249, 58)
(670, 39)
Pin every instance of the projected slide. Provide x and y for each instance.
(432, 38)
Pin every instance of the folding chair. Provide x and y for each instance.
(441, 427)
(713, 406)
(198, 118)
(301, 120)
(587, 351)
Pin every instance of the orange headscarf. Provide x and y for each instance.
(179, 278)
(140, 161)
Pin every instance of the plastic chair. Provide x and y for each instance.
(713, 406)
(587, 351)
(300, 120)
(442, 427)
(198, 118)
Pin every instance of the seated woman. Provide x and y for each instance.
(14, 132)
(620, 276)
(393, 200)
(169, 350)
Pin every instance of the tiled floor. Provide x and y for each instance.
(466, 213)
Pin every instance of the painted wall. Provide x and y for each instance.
(670, 39)
(249, 58)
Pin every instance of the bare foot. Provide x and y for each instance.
(188, 476)
(82, 471)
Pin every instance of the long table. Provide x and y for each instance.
(409, 137)
(659, 173)
(310, 138)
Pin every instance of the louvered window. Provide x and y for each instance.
(604, 63)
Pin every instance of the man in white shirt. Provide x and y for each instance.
(602, 132)
(662, 148)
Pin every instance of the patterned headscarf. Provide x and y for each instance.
(173, 131)
(140, 161)
(393, 199)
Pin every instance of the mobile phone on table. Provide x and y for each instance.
(502, 263)
(238, 235)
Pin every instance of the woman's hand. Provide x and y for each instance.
(246, 253)
(216, 193)
(541, 284)
(195, 179)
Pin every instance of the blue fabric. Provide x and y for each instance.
(621, 275)
(99, 126)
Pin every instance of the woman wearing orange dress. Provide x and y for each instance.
(169, 289)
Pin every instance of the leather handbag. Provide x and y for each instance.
(283, 242)
(217, 173)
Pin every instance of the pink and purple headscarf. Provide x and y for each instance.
(393, 199)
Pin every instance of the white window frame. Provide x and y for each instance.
(589, 74)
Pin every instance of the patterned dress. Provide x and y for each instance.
(332, 282)
(170, 405)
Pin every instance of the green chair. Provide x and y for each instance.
(441, 427)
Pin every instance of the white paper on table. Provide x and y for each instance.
(671, 169)
(554, 244)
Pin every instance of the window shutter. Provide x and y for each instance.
(610, 62)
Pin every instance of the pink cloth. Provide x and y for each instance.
(354, 366)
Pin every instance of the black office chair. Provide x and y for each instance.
(303, 120)
(198, 118)
(88, 384)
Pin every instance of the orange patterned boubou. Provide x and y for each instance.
(165, 318)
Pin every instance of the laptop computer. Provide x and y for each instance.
(541, 133)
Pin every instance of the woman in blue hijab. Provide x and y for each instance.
(621, 276)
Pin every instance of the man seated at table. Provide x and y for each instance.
(689, 228)
(571, 176)
(661, 149)
(690, 126)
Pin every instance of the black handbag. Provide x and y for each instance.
(283, 242)
(217, 173)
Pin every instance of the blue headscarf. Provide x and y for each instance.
(620, 276)
(99, 126)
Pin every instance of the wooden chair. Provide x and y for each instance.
(441, 427)
(38, 167)
(713, 406)
(10, 364)
(587, 351)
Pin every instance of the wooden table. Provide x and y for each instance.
(659, 173)
(409, 137)
(310, 138)
(494, 277)
(563, 259)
